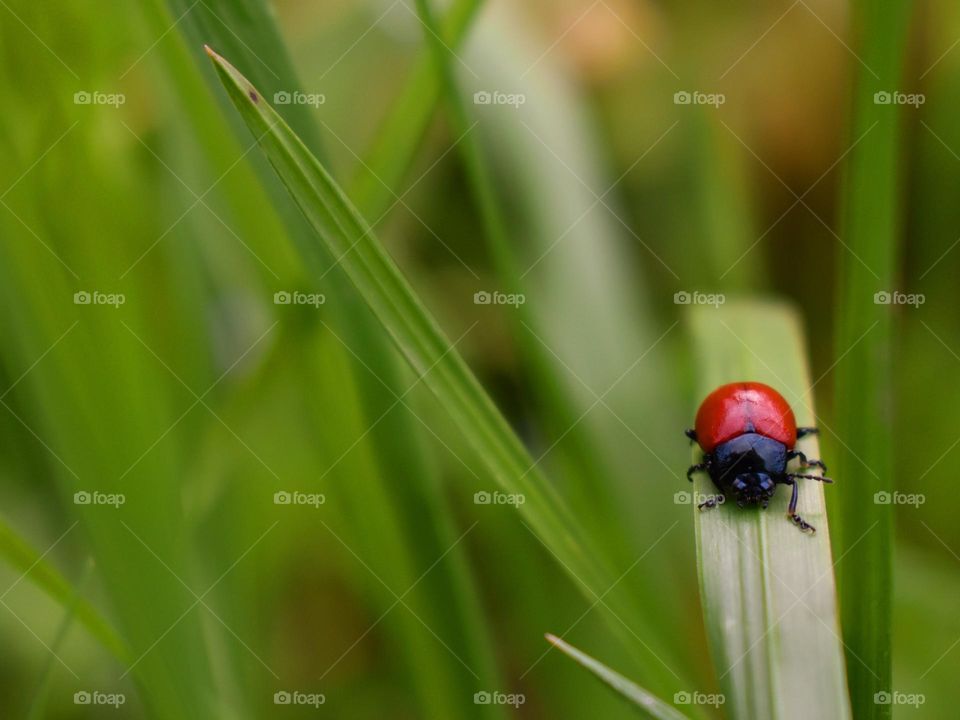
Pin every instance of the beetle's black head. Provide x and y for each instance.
(754, 488)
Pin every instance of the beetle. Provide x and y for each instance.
(748, 433)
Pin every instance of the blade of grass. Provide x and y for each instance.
(429, 352)
(21, 556)
(247, 30)
(74, 398)
(590, 308)
(588, 484)
(583, 466)
(593, 305)
(767, 590)
(723, 217)
(70, 612)
(399, 135)
(723, 254)
(925, 613)
(94, 403)
(647, 704)
(866, 262)
(413, 537)
(359, 524)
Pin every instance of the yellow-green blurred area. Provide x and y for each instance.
(202, 516)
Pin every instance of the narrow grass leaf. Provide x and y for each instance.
(593, 308)
(579, 459)
(97, 400)
(21, 556)
(398, 137)
(648, 704)
(38, 706)
(414, 527)
(433, 357)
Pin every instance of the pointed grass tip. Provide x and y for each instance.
(226, 66)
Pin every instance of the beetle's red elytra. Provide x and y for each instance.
(739, 408)
(748, 433)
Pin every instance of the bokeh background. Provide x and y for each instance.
(189, 391)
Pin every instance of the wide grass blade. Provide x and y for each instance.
(433, 357)
(862, 378)
(648, 704)
(768, 590)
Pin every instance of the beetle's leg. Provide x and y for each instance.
(792, 508)
(803, 459)
(821, 478)
(696, 468)
(709, 503)
(692, 434)
(804, 431)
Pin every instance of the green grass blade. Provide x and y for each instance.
(865, 442)
(925, 617)
(95, 403)
(413, 528)
(594, 308)
(433, 357)
(378, 519)
(399, 135)
(247, 30)
(38, 705)
(541, 372)
(21, 556)
(767, 589)
(648, 704)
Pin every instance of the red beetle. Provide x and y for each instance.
(747, 432)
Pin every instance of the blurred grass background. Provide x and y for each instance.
(199, 398)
